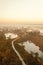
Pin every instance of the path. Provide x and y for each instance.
(18, 54)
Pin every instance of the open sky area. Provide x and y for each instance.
(21, 11)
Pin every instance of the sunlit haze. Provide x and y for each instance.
(21, 11)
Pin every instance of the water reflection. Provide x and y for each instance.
(32, 48)
(11, 35)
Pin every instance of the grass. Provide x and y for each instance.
(9, 57)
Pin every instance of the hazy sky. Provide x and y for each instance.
(21, 11)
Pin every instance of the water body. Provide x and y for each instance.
(32, 48)
(41, 31)
(35, 29)
(11, 35)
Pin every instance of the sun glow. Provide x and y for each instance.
(21, 11)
